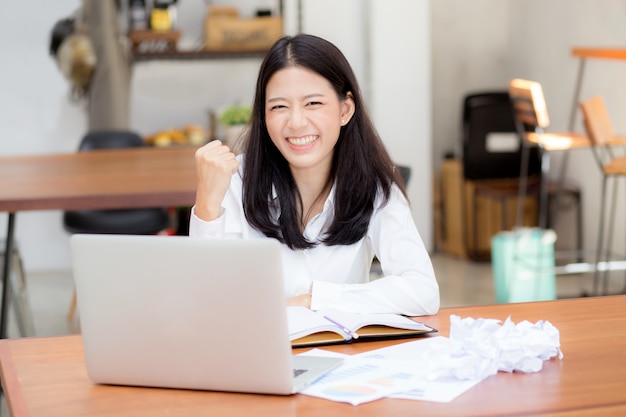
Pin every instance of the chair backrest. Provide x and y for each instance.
(529, 104)
(139, 221)
(599, 129)
(488, 117)
(597, 121)
(110, 139)
(405, 173)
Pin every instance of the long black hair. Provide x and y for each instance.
(361, 167)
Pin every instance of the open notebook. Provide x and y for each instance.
(311, 328)
(180, 312)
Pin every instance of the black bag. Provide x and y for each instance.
(60, 31)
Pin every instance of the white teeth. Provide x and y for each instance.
(305, 140)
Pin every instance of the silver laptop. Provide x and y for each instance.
(181, 312)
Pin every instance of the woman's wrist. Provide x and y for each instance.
(207, 213)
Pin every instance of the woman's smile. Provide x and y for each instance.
(302, 141)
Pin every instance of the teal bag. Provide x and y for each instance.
(523, 265)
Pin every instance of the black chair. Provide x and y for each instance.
(405, 173)
(485, 115)
(140, 221)
(135, 221)
(488, 123)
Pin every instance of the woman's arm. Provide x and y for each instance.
(211, 180)
(215, 166)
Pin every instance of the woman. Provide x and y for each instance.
(315, 175)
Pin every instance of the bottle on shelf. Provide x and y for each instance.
(163, 15)
(138, 18)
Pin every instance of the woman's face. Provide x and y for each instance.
(304, 116)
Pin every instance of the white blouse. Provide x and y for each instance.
(339, 276)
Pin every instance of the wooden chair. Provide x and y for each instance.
(601, 133)
(531, 119)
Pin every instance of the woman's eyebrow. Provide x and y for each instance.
(306, 97)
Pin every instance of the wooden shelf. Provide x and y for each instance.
(195, 55)
(152, 45)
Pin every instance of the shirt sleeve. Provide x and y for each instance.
(201, 228)
(408, 285)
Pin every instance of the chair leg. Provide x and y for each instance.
(21, 303)
(623, 291)
(609, 240)
(523, 183)
(71, 313)
(505, 221)
(543, 193)
(475, 221)
(596, 274)
(579, 224)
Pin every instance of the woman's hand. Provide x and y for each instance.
(215, 166)
(300, 300)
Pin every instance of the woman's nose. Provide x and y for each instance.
(297, 119)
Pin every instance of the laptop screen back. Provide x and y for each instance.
(179, 312)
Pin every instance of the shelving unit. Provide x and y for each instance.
(194, 55)
(166, 50)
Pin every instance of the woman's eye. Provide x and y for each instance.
(277, 107)
(314, 103)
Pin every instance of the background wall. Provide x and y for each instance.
(36, 116)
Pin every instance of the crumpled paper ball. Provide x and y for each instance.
(478, 348)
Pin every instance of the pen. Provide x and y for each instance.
(354, 335)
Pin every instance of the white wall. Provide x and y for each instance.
(400, 99)
(470, 52)
(36, 116)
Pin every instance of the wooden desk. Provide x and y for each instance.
(121, 178)
(47, 377)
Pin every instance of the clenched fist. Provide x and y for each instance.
(215, 166)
